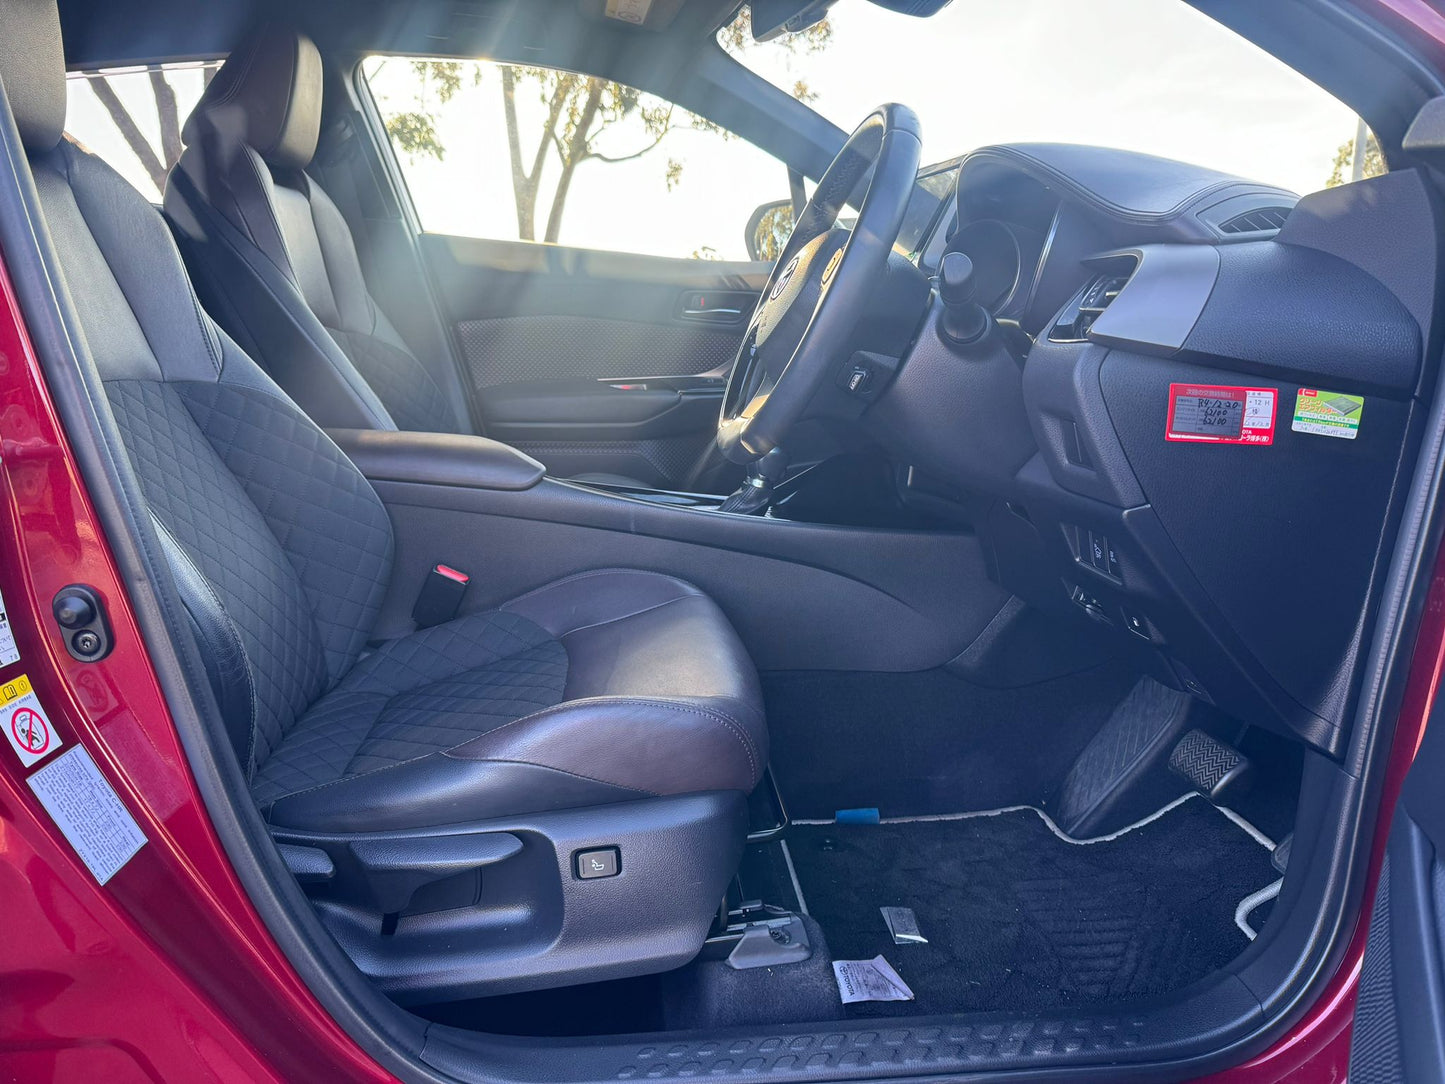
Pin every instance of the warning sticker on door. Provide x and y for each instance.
(8, 651)
(1327, 413)
(1215, 414)
(25, 722)
(87, 810)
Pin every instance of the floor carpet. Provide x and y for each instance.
(1018, 919)
(929, 742)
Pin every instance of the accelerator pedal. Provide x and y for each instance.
(1214, 769)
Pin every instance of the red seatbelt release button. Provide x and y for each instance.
(440, 597)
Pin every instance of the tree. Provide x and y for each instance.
(1343, 168)
(773, 230)
(156, 161)
(582, 119)
(414, 130)
(580, 108)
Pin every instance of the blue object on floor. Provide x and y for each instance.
(856, 816)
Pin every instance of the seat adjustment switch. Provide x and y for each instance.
(601, 862)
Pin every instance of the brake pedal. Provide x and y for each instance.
(1212, 768)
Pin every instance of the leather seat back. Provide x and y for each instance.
(274, 258)
(280, 548)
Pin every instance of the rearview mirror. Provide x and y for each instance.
(768, 230)
(773, 18)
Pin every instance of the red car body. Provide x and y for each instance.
(166, 972)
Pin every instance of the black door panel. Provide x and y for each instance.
(480, 278)
(559, 409)
(508, 349)
(567, 351)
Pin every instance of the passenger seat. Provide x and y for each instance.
(590, 743)
(274, 259)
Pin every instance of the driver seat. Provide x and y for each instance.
(614, 712)
(275, 261)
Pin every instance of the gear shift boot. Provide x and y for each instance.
(756, 493)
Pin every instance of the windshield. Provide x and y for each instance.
(1147, 75)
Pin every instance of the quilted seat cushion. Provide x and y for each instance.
(607, 686)
(421, 694)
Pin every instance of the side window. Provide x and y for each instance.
(514, 153)
(132, 117)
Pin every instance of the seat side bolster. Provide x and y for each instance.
(438, 789)
(710, 743)
(597, 597)
(264, 304)
(224, 655)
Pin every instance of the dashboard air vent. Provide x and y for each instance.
(1260, 220)
(1095, 299)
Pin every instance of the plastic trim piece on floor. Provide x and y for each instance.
(1238, 821)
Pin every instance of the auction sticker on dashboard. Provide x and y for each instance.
(1327, 413)
(25, 723)
(1216, 414)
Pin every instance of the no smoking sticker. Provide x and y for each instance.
(25, 723)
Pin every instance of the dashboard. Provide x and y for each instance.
(1195, 434)
(1028, 214)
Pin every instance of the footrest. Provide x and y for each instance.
(1210, 767)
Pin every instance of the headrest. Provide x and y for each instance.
(268, 95)
(32, 66)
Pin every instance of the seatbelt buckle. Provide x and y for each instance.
(441, 596)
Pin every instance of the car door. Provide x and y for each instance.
(594, 253)
(1399, 1032)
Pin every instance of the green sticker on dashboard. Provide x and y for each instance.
(1327, 413)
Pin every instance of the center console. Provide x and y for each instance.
(803, 594)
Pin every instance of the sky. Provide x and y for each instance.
(1147, 75)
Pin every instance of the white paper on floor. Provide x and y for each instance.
(869, 980)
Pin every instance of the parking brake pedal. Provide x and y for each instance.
(1212, 768)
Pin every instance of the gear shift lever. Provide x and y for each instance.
(756, 493)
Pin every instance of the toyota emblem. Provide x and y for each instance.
(783, 279)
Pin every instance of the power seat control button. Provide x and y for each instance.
(602, 862)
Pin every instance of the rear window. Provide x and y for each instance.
(132, 117)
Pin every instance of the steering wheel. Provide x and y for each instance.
(819, 286)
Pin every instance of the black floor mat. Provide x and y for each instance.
(946, 744)
(1020, 920)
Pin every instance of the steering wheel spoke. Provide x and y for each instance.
(807, 314)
